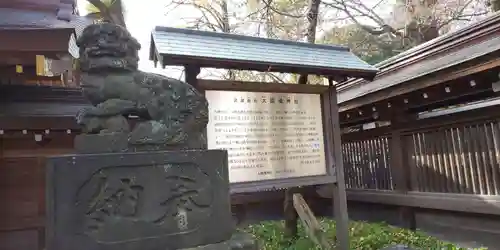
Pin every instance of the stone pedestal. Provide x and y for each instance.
(141, 201)
(97, 143)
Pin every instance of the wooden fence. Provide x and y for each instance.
(463, 159)
(448, 163)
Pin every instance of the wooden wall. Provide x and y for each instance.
(22, 186)
(449, 163)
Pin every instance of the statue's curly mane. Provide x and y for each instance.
(107, 46)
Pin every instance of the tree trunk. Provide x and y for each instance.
(312, 18)
(226, 29)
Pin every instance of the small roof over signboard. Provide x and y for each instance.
(174, 46)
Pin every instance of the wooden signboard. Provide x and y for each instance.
(275, 138)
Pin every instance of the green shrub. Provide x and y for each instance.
(363, 236)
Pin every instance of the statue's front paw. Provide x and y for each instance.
(82, 116)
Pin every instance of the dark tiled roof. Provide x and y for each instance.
(172, 42)
(29, 19)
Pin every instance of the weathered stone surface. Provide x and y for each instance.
(239, 241)
(101, 143)
(172, 113)
(147, 201)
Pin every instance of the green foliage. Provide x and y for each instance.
(372, 49)
(363, 236)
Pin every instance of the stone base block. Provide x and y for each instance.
(101, 143)
(239, 241)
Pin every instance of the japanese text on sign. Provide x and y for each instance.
(267, 135)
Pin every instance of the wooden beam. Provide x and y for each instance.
(339, 192)
(479, 204)
(39, 123)
(400, 170)
(470, 68)
(366, 134)
(464, 90)
(191, 72)
(290, 214)
(311, 224)
(261, 87)
(48, 40)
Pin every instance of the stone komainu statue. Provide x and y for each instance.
(171, 113)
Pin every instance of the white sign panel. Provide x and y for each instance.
(268, 135)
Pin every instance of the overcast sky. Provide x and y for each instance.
(141, 17)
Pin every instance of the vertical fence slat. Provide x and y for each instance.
(465, 159)
(490, 155)
(469, 149)
(410, 161)
(354, 170)
(373, 177)
(418, 163)
(443, 175)
(383, 163)
(454, 165)
(485, 163)
(426, 182)
(350, 163)
(477, 160)
(369, 174)
(376, 164)
(449, 171)
(387, 163)
(496, 147)
(362, 164)
(347, 166)
(428, 162)
(431, 137)
(359, 165)
(457, 155)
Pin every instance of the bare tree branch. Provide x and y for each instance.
(106, 14)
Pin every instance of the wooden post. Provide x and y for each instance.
(191, 72)
(311, 224)
(339, 193)
(400, 168)
(291, 216)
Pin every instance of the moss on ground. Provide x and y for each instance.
(363, 236)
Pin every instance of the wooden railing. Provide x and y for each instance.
(366, 164)
(464, 159)
(461, 160)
